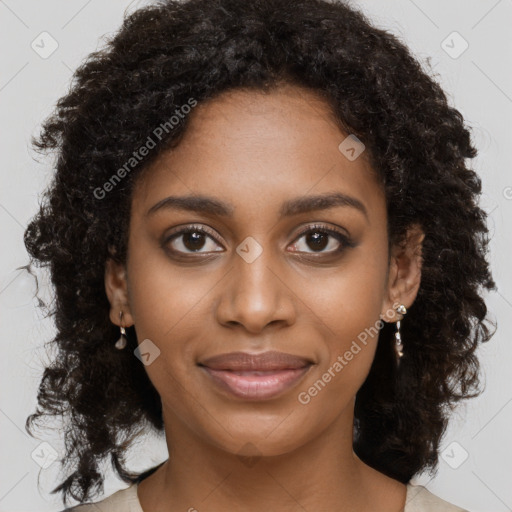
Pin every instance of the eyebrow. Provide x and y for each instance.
(213, 206)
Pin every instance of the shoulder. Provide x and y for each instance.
(420, 499)
(125, 500)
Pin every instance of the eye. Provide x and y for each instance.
(197, 239)
(192, 239)
(322, 240)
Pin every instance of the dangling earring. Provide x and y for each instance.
(121, 342)
(398, 339)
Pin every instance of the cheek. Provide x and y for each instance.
(348, 301)
(164, 298)
(167, 303)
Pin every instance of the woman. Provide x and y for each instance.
(266, 244)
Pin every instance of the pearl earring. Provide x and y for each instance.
(398, 339)
(121, 342)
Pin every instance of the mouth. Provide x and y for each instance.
(255, 376)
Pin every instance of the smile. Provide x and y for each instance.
(256, 385)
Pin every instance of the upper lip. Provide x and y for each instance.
(243, 361)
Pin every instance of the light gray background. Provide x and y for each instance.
(479, 84)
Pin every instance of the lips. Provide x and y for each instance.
(243, 361)
(255, 376)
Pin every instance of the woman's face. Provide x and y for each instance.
(270, 274)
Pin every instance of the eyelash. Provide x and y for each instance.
(343, 239)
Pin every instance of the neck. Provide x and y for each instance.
(323, 474)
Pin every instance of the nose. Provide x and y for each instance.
(256, 295)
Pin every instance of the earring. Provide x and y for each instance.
(121, 342)
(398, 339)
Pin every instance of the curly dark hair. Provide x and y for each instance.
(171, 51)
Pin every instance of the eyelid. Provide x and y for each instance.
(188, 228)
(322, 227)
(344, 240)
(342, 237)
(202, 228)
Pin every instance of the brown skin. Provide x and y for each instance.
(256, 151)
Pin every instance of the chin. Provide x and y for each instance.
(260, 437)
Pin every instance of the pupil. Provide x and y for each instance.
(193, 241)
(319, 240)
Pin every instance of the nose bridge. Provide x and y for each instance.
(255, 295)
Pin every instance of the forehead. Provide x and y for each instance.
(256, 149)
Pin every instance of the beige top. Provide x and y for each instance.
(418, 499)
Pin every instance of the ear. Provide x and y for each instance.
(404, 276)
(116, 287)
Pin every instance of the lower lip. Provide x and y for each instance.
(256, 385)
